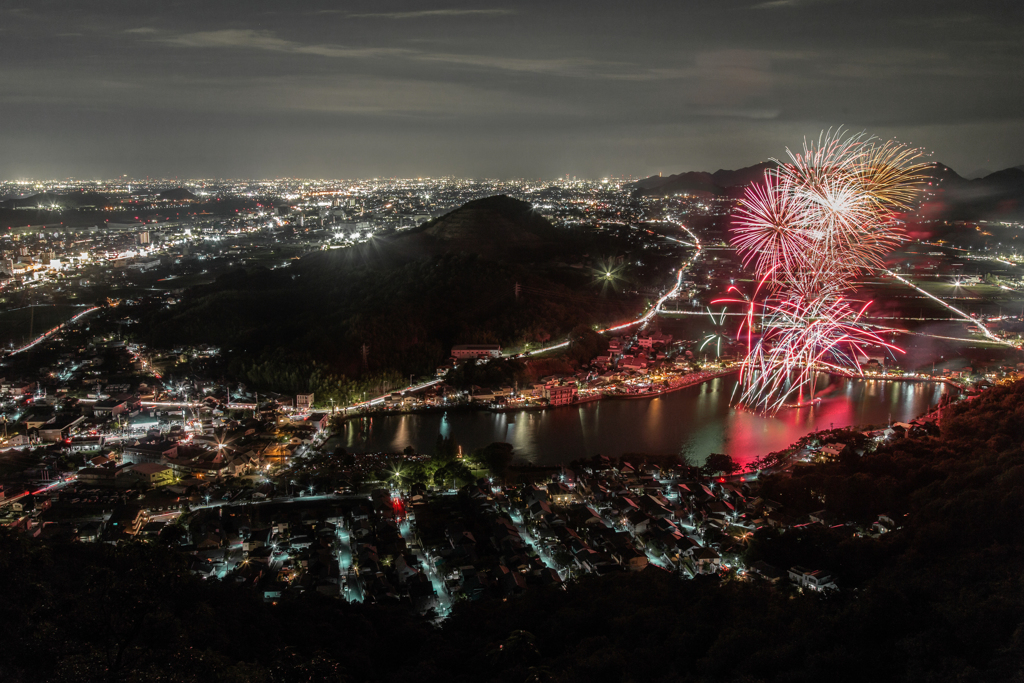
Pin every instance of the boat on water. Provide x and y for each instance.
(516, 409)
(804, 404)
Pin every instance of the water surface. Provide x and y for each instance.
(693, 421)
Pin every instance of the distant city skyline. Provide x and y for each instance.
(528, 90)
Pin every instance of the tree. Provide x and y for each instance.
(585, 344)
(172, 534)
(562, 557)
(496, 458)
(719, 462)
(519, 649)
(445, 448)
(452, 473)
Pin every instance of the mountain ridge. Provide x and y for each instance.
(998, 195)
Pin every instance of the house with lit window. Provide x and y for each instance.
(816, 580)
(560, 396)
(151, 450)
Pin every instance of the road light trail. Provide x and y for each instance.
(965, 316)
(46, 334)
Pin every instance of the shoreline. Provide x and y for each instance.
(674, 387)
(747, 465)
(535, 408)
(624, 396)
(891, 378)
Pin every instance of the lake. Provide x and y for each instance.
(694, 421)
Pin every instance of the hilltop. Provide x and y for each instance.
(490, 226)
(499, 228)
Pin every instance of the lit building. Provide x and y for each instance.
(476, 351)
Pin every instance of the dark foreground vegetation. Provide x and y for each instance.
(939, 600)
(306, 330)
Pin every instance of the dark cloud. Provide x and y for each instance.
(429, 13)
(527, 89)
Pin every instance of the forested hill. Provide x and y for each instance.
(409, 297)
(408, 315)
(719, 183)
(499, 228)
(941, 599)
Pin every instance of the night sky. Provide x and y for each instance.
(526, 89)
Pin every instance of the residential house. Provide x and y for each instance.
(707, 561)
(84, 443)
(149, 450)
(560, 494)
(637, 522)
(318, 421)
(766, 572)
(816, 580)
(153, 473)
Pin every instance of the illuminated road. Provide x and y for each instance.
(444, 601)
(46, 334)
(351, 589)
(380, 399)
(536, 545)
(969, 318)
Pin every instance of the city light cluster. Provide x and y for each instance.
(816, 223)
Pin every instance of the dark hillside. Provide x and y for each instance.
(177, 194)
(499, 228)
(694, 182)
(742, 176)
(720, 183)
(410, 296)
(998, 195)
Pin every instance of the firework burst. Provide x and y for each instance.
(815, 224)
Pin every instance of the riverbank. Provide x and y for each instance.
(696, 421)
(899, 378)
(700, 378)
(689, 382)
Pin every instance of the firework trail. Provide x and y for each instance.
(816, 223)
(717, 336)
